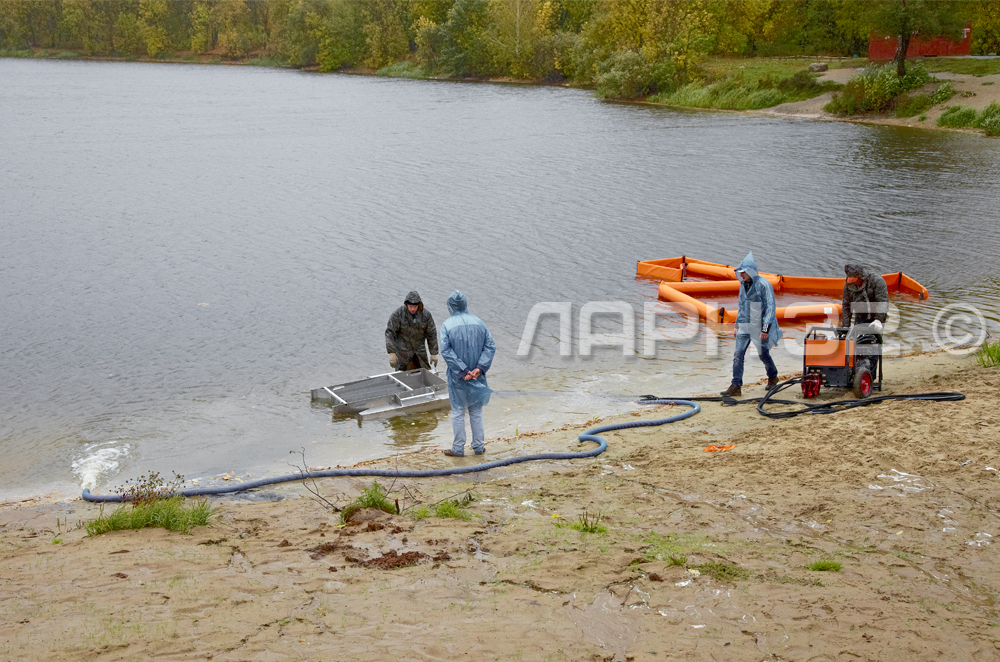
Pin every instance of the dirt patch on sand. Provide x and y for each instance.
(392, 560)
(707, 555)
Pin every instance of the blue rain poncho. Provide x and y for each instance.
(757, 309)
(466, 344)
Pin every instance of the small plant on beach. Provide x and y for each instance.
(678, 559)
(588, 523)
(988, 355)
(420, 512)
(944, 92)
(825, 566)
(171, 513)
(723, 571)
(375, 497)
(149, 487)
(151, 500)
(451, 509)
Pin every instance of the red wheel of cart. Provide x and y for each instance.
(862, 383)
(811, 384)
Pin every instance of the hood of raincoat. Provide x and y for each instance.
(859, 271)
(748, 265)
(414, 298)
(756, 305)
(457, 303)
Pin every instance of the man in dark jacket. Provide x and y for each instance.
(865, 298)
(406, 332)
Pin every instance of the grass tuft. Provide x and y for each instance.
(988, 355)
(371, 497)
(451, 509)
(742, 92)
(960, 117)
(825, 566)
(675, 544)
(588, 523)
(908, 106)
(172, 514)
(404, 69)
(723, 571)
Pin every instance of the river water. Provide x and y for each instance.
(188, 250)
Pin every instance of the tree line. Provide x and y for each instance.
(574, 40)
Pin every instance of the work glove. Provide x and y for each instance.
(434, 360)
(393, 361)
(876, 326)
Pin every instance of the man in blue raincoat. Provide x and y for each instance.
(756, 323)
(467, 348)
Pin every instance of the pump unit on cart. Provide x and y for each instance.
(842, 357)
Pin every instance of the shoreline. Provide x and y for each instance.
(704, 554)
(908, 363)
(809, 109)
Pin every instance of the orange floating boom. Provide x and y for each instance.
(722, 282)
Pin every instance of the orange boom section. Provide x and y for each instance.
(720, 280)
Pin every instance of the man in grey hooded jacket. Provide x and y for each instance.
(408, 328)
(866, 298)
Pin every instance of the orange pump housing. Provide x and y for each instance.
(720, 280)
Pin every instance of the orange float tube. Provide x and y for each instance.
(721, 281)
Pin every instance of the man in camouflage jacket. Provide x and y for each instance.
(406, 332)
(864, 286)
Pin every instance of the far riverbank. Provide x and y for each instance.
(975, 91)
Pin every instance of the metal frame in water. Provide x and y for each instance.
(385, 395)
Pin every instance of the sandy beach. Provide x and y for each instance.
(704, 558)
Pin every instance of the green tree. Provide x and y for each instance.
(904, 18)
(153, 16)
(515, 33)
(237, 35)
(128, 38)
(985, 18)
(385, 32)
(463, 48)
(343, 41)
(202, 28)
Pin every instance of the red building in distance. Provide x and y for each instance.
(884, 48)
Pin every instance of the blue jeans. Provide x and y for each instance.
(458, 427)
(742, 343)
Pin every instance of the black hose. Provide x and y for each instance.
(819, 408)
(842, 405)
(589, 435)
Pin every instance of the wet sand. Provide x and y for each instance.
(903, 495)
